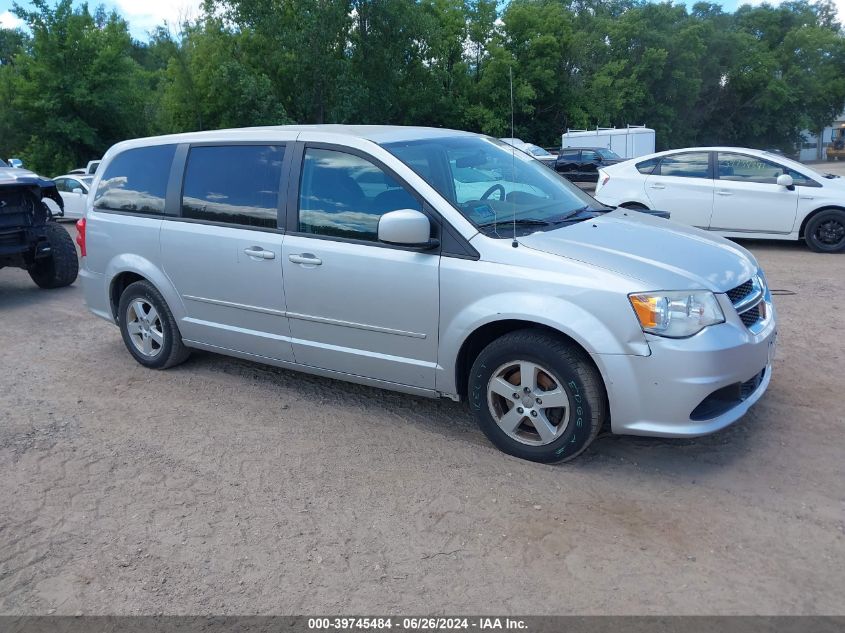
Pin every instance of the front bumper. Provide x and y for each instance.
(670, 392)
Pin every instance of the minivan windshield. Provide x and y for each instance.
(492, 183)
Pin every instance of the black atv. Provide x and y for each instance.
(29, 236)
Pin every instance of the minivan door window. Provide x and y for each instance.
(234, 184)
(343, 195)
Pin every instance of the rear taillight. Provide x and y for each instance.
(80, 235)
(605, 179)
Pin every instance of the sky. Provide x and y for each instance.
(144, 15)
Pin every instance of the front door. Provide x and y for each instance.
(356, 305)
(683, 185)
(224, 255)
(748, 198)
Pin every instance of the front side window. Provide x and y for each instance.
(234, 184)
(687, 165)
(136, 180)
(743, 168)
(489, 183)
(343, 195)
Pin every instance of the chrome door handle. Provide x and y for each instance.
(658, 186)
(724, 193)
(305, 258)
(259, 253)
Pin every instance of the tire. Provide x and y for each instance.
(148, 328)
(566, 376)
(825, 232)
(62, 267)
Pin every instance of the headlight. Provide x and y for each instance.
(676, 314)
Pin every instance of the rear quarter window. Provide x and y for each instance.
(135, 181)
(647, 166)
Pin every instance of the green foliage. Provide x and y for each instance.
(73, 82)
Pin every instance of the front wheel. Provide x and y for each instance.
(62, 266)
(148, 328)
(537, 396)
(825, 232)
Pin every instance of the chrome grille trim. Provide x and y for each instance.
(748, 301)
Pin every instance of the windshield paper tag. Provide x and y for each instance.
(484, 212)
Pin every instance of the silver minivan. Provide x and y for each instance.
(429, 261)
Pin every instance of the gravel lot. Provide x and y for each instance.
(223, 486)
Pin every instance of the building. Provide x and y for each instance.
(813, 148)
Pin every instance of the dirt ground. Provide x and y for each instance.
(227, 487)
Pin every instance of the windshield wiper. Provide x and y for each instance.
(571, 214)
(517, 221)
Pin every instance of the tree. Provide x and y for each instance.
(78, 90)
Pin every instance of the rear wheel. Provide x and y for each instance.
(62, 266)
(537, 396)
(148, 328)
(825, 232)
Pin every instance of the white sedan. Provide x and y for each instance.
(735, 192)
(74, 191)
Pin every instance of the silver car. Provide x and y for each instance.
(429, 261)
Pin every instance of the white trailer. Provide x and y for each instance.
(629, 142)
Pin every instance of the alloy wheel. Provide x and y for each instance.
(143, 324)
(830, 232)
(528, 402)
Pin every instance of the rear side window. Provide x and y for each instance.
(136, 180)
(234, 184)
(569, 154)
(686, 165)
(647, 166)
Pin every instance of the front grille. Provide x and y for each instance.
(748, 299)
(740, 292)
(752, 316)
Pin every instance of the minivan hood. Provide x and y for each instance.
(661, 254)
